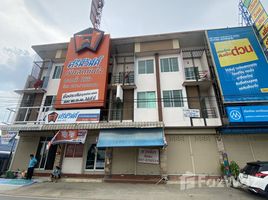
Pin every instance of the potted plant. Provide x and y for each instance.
(234, 170)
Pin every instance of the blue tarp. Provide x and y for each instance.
(131, 137)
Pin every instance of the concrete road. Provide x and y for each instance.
(118, 191)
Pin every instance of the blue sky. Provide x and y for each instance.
(31, 22)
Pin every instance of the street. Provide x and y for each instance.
(116, 191)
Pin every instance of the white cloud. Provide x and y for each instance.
(21, 29)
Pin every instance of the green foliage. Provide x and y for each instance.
(234, 168)
(10, 174)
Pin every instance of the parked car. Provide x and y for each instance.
(255, 177)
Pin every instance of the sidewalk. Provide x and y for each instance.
(119, 191)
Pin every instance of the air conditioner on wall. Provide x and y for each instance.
(119, 92)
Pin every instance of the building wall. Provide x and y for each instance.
(145, 82)
(173, 116)
(53, 84)
(26, 145)
(243, 148)
(72, 165)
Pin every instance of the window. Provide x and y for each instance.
(169, 64)
(74, 150)
(50, 100)
(146, 99)
(57, 72)
(173, 98)
(146, 67)
(191, 73)
(95, 158)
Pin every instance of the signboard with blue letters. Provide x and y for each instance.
(73, 116)
(240, 114)
(240, 64)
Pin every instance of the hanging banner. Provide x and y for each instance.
(240, 64)
(260, 21)
(253, 5)
(264, 30)
(84, 78)
(150, 156)
(7, 136)
(70, 136)
(265, 42)
(257, 11)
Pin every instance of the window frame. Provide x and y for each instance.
(171, 101)
(57, 73)
(171, 67)
(74, 154)
(146, 69)
(144, 101)
(95, 158)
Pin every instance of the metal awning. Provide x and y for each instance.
(131, 137)
(102, 125)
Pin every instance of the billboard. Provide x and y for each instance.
(240, 64)
(240, 114)
(84, 79)
(73, 116)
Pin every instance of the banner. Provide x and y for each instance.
(264, 31)
(257, 11)
(260, 21)
(7, 136)
(247, 114)
(150, 156)
(84, 78)
(73, 116)
(191, 112)
(240, 64)
(70, 136)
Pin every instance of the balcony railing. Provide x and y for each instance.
(126, 78)
(210, 113)
(193, 73)
(31, 114)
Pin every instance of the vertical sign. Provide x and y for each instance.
(84, 79)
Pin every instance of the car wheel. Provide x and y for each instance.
(266, 191)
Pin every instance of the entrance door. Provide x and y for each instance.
(45, 157)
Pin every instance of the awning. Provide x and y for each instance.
(243, 130)
(131, 137)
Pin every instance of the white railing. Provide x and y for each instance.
(32, 114)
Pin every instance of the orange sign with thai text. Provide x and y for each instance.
(84, 79)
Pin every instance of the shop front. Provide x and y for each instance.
(133, 151)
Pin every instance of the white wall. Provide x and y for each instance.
(173, 116)
(145, 82)
(72, 165)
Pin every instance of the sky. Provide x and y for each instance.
(33, 22)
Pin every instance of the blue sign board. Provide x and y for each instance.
(247, 113)
(241, 66)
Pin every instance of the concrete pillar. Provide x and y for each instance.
(163, 161)
(108, 161)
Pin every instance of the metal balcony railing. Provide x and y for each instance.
(210, 113)
(193, 73)
(126, 78)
